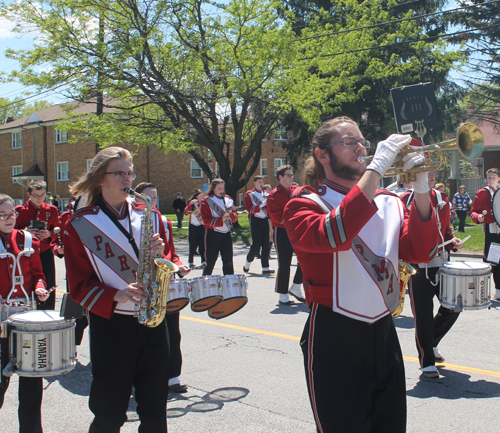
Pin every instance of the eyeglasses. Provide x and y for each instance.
(6, 216)
(38, 196)
(288, 174)
(121, 175)
(347, 142)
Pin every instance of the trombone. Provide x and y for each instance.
(469, 142)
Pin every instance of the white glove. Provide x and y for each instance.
(421, 183)
(387, 151)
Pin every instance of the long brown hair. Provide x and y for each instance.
(90, 183)
(314, 173)
(213, 184)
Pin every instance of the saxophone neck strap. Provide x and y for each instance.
(112, 216)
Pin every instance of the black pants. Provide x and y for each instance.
(49, 270)
(462, 215)
(196, 238)
(429, 330)
(125, 353)
(174, 339)
(259, 228)
(488, 239)
(180, 217)
(216, 242)
(284, 251)
(354, 372)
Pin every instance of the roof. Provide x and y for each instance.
(33, 173)
(54, 113)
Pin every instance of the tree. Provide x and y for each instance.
(212, 79)
(483, 46)
(18, 108)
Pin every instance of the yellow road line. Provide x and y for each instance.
(292, 337)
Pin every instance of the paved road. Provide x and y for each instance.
(245, 372)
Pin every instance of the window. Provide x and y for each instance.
(17, 140)
(263, 167)
(278, 162)
(16, 169)
(240, 200)
(89, 162)
(61, 136)
(196, 171)
(65, 203)
(63, 171)
(280, 134)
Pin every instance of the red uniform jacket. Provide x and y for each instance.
(318, 237)
(46, 212)
(209, 219)
(482, 202)
(276, 202)
(444, 216)
(31, 266)
(169, 251)
(249, 204)
(83, 280)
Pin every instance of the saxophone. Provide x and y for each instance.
(152, 271)
(405, 272)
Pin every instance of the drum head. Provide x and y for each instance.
(37, 316)
(465, 268)
(227, 307)
(495, 207)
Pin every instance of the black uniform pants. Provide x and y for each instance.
(216, 242)
(259, 228)
(429, 330)
(49, 270)
(284, 251)
(462, 215)
(488, 239)
(125, 353)
(196, 238)
(354, 372)
(30, 396)
(174, 339)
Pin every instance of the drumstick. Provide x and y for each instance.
(463, 240)
(451, 240)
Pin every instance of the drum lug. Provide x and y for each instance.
(458, 308)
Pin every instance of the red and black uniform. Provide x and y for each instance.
(482, 206)
(430, 330)
(30, 388)
(48, 247)
(259, 226)
(217, 233)
(349, 256)
(196, 235)
(101, 254)
(276, 202)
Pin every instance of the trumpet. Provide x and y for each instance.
(469, 142)
(405, 272)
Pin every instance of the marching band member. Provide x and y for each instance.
(35, 209)
(481, 213)
(430, 330)
(196, 235)
(172, 319)
(101, 252)
(276, 202)
(348, 238)
(218, 226)
(255, 204)
(14, 241)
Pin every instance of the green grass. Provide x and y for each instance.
(242, 229)
(475, 243)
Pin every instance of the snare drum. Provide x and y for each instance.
(178, 295)
(234, 296)
(465, 285)
(205, 292)
(10, 308)
(41, 343)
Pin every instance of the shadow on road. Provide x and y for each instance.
(404, 322)
(291, 309)
(211, 401)
(77, 381)
(454, 385)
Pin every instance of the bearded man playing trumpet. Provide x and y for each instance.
(348, 237)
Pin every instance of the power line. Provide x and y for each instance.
(411, 41)
(390, 22)
(38, 94)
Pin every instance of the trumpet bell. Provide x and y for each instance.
(470, 141)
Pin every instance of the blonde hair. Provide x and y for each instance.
(314, 173)
(90, 182)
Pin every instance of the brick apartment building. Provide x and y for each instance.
(36, 139)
